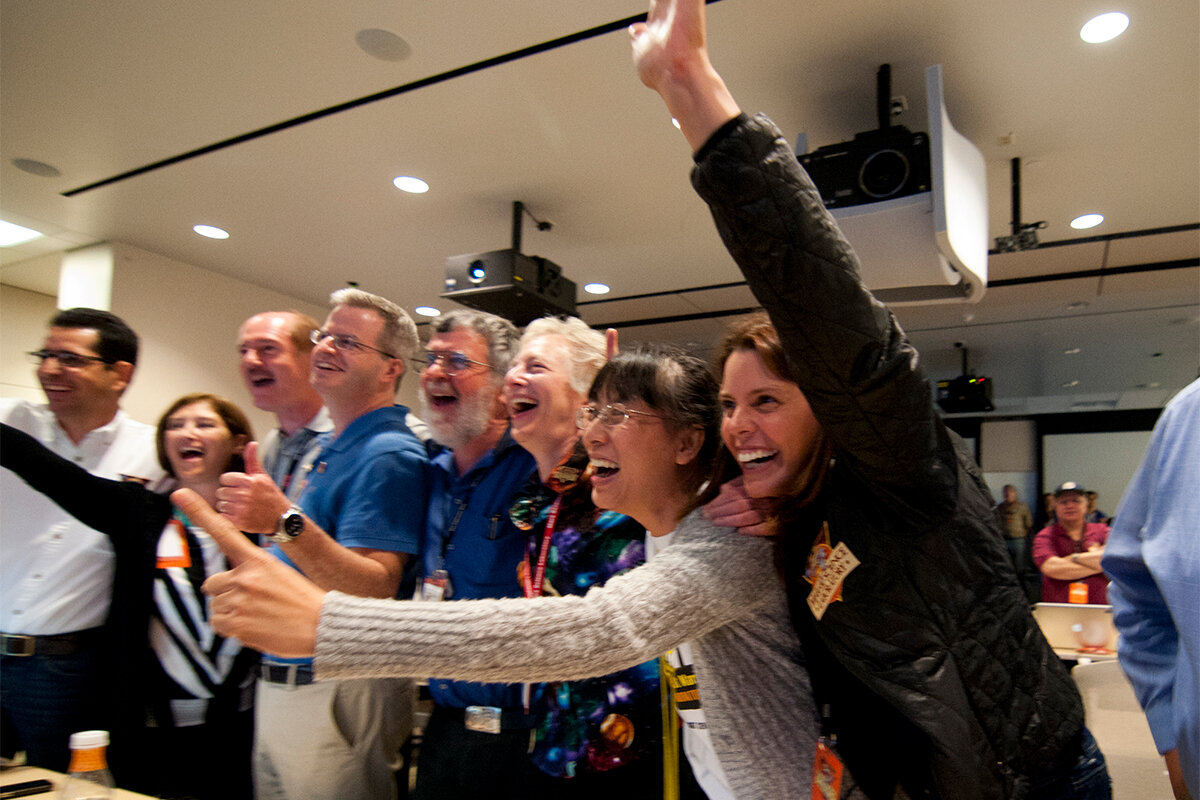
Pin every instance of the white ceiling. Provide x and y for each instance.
(106, 87)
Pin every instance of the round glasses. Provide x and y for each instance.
(65, 358)
(610, 416)
(344, 342)
(452, 362)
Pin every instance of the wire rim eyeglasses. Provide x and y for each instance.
(452, 362)
(610, 416)
(344, 342)
(66, 359)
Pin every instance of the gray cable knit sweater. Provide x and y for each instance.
(712, 587)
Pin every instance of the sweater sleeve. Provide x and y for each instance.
(111, 507)
(857, 369)
(706, 579)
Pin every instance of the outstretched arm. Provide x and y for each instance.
(110, 507)
(670, 51)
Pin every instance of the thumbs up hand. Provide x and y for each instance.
(250, 499)
(260, 601)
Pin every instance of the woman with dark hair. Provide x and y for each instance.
(196, 687)
(919, 638)
(711, 600)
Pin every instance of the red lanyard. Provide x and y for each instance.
(533, 583)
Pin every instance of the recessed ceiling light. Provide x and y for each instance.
(1085, 221)
(383, 45)
(211, 231)
(596, 288)
(1104, 27)
(11, 234)
(1070, 351)
(407, 183)
(427, 311)
(1070, 384)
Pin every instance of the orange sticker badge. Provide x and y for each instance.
(173, 547)
(826, 570)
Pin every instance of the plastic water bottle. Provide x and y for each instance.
(88, 777)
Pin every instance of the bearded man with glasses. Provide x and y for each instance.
(476, 741)
(69, 653)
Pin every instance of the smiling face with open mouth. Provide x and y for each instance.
(635, 466)
(273, 368)
(458, 407)
(75, 391)
(540, 399)
(198, 444)
(768, 427)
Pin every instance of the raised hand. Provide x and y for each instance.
(250, 499)
(261, 601)
(670, 52)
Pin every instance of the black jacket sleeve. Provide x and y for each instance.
(116, 508)
(857, 369)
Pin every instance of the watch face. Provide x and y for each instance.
(293, 524)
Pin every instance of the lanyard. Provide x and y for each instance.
(462, 503)
(533, 583)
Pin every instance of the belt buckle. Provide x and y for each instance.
(28, 645)
(483, 719)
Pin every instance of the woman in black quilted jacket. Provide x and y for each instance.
(935, 678)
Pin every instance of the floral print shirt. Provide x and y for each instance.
(596, 724)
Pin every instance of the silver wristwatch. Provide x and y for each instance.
(291, 522)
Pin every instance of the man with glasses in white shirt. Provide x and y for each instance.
(358, 515)
(69, 653)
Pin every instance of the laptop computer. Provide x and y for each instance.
(1077, 629)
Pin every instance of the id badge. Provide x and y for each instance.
(436, 586)
(827, 772)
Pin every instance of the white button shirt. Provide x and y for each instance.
(55, 572)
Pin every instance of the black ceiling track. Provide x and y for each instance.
(487, 63)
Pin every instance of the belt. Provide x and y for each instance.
(490, 719)
(59, 644)
(287, 674)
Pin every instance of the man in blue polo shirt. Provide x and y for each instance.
(359, 515)
(476, 742)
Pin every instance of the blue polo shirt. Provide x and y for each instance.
(482, 551)
(368, 488)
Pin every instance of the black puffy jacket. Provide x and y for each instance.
(937, 676)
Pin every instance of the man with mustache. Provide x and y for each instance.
(476, 741)
(274, 358)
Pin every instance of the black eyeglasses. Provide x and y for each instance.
(452, 362)
(610, 416)
(65, 358)
(344, 342)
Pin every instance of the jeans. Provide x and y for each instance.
(1087, 780)
(44, 699)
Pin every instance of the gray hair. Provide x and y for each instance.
(586, 346)
(399, 336)
(499, 333)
